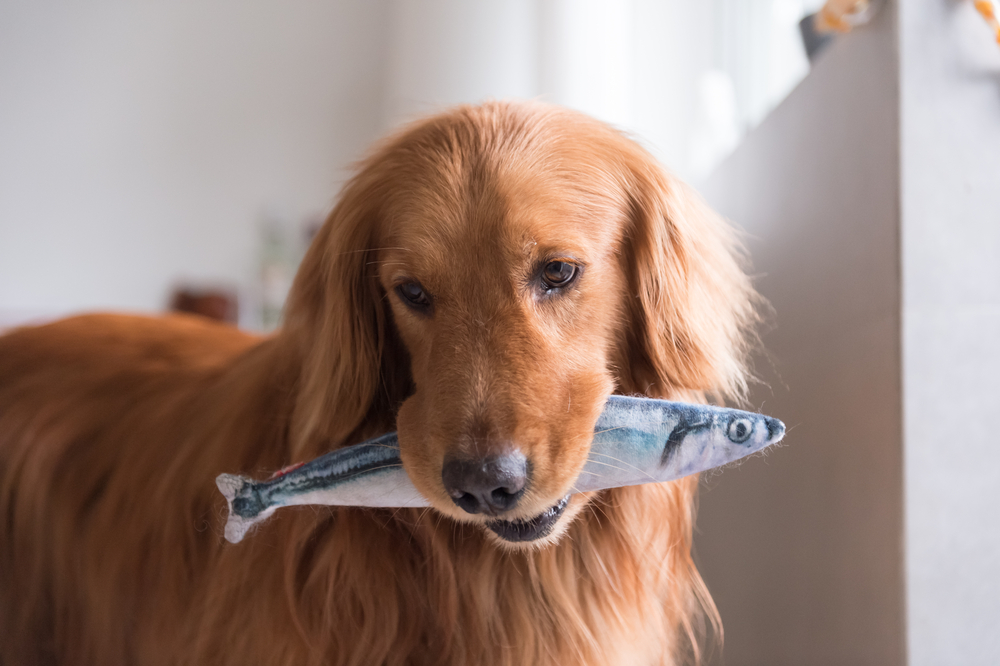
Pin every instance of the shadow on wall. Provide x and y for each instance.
(801, 549)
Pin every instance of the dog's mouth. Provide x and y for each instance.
(532, 528)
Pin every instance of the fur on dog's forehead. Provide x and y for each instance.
(483, 211)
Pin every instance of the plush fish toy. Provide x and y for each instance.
(636, 440)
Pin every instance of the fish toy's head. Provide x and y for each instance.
(703, 438)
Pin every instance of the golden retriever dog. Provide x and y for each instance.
(487, 279)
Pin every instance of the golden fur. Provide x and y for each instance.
(113, 428)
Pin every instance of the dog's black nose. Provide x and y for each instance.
(486, 485)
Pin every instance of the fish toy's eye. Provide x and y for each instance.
(740, 430)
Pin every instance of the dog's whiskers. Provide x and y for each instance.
(599, 462)
(371, 249)
(619, 460)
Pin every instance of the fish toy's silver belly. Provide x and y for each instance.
(636, 440)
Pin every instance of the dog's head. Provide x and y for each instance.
(489, 277)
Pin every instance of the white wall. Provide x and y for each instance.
(950, 76)
(143, 142)
(666, 103)
(588, 51)
(444, 52)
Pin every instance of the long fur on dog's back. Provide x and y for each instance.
(108, 427)
(113, 428)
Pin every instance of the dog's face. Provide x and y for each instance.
(506, 294)
(528, 262)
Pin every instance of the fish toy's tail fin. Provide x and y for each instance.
(237, 526)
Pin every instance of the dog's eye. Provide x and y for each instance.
(414, 295)
(559, 274)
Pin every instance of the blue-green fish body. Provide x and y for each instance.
(636, 440)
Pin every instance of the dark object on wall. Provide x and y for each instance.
(216, 303)
(813, 40)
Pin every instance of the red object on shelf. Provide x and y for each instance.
(219, 304)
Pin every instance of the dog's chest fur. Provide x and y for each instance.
(411, 587)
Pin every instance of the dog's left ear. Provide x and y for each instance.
(692, 309)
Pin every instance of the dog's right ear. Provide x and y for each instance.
(339, 327)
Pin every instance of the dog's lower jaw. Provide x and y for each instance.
(529, 529)
(571, 506)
